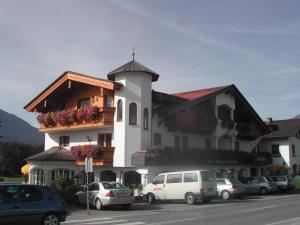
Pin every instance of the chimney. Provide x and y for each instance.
(269, 120)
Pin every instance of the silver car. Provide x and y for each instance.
(228, 188)
(282, 182)
(259, 184)
(106, 193)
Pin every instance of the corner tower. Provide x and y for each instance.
(133, 102)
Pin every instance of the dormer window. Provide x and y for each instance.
(81, 103)
(132, 113)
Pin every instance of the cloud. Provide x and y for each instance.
(275, 68)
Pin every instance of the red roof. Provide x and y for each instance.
(191, 95)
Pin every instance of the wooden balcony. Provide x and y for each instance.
(105, 117)
(106, 157)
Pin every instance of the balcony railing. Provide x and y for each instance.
(76, 118)
(102, 156)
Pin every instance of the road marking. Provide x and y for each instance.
(105, 222)
(133, 223)
(283, 221)
(87, 220)
(172, 221)
(276, 197)
(255, 209)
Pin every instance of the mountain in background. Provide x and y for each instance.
(297, 117)
(14, 129)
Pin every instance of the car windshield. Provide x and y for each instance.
(270, 179)
(279, 178)
(114, 186)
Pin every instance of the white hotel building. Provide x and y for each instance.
(134, 132)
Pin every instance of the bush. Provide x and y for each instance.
(66, 189)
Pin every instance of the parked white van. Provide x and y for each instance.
(190, 186)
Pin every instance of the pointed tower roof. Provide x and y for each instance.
(132, 66)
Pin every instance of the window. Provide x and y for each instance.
(208, 143)
(185, 142)
(119, 110)
(293, 151)
(174, 178)
(38, 176)
(132, 114)
(104, 140)
(117, 186)
(224, 112)
(64, 141)
(57, 173)
(237, 146)
(9, 194)
(30, 194)
(275, 151)
(83, 103)
(159, 179)
(145, 119)
(190, 177)
(108, 140)
(94, 187)
(177, 142)
(221, 181)
(108, 101)
(157, 139)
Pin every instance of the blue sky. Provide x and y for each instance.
(191, 44)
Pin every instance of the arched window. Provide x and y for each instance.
(119, 110)
(132, 114)
(145, 118)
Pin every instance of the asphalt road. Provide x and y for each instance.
(252, 210)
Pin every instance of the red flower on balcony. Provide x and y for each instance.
(48, 120)
(80, 152)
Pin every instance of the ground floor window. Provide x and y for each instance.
(58, 173)
(37, 176)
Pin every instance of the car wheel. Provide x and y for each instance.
(225, 195)
(263, 191)
(151, 198)
(50, 219)
(98, 204)
(190, 198)
(126, 206)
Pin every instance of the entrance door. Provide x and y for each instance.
(174, 187)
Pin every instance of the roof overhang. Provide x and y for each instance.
(227, 89)
(71, 76)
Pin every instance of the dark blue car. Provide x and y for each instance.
(30, 204)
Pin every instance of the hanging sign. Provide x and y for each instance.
(88, 163)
